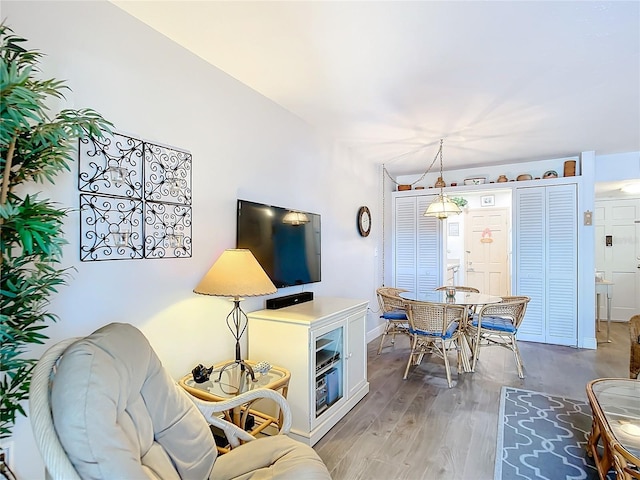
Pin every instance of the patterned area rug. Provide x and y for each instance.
(542, 437)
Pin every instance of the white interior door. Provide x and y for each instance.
(417, 245)
(545, 239)
(618, 254)
(486, 250)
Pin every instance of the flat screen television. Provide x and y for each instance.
(285, 242)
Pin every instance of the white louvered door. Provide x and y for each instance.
(562, 265)
(405, 233)
(530, 257)
(546, 262)
(417, 245)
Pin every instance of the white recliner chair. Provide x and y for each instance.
(103, 407)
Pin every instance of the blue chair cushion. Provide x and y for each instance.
(448, 334)
(495, 323)
(395, 315)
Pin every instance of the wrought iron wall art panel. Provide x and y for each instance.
(167, 230)
(167, 174)
(137, 202)
(111, 228)
(111, 166)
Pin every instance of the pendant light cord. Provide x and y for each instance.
(438, 154)
(441, 175)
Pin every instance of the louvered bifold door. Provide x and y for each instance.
(418, 259)
(404, 251)
(545, 236)
(429, 261)
(529, 233)
(562, 265)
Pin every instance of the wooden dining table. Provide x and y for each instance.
(468, 299)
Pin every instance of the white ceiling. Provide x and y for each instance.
(504, 81)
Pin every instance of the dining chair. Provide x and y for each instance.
(393, 311)
(497, 324)
(634, 353)
(434, 328)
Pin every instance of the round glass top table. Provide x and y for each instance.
(234, 381)
(460, 298)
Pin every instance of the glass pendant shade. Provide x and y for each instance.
(442, 208)
(295, 218)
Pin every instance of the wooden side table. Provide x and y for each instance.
(615, 403)
(235, 381)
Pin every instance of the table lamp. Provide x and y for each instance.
(236, 274)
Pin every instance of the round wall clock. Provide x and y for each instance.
(364, 221)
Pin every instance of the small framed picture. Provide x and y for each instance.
(454, 229)
(487, 201)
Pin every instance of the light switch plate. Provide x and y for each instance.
(588, 217)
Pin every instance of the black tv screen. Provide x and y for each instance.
(286, 242)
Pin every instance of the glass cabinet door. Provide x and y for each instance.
(329, 369)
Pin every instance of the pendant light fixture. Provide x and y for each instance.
(442, 207)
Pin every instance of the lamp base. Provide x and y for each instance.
(243, 366)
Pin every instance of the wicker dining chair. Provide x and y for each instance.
(497, 324)
(393, 311)
(435, 328)
(634, 353)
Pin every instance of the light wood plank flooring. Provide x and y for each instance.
(420, 429)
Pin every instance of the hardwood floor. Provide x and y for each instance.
(420, 429)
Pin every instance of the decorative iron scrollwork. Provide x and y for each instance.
(168, 230)
(138, 200)
(167, 174)
(111, 166)
(110, 228)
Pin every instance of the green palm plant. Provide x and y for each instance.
(34, 147)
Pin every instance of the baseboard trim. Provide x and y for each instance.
(375, 333)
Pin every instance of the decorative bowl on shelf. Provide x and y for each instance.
(474, 181)
(550, 174)
(524, 176)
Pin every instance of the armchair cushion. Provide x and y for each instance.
(272, 457)
(395, 315)
(118, 414)
(451, 329)
(495, 323)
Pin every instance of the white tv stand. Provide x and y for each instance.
(323, 344)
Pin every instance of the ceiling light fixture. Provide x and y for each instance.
(442, 207)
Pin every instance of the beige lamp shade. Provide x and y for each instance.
(442, 208)
(236, 273)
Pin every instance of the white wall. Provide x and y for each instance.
(243, 146)
(619, 166)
